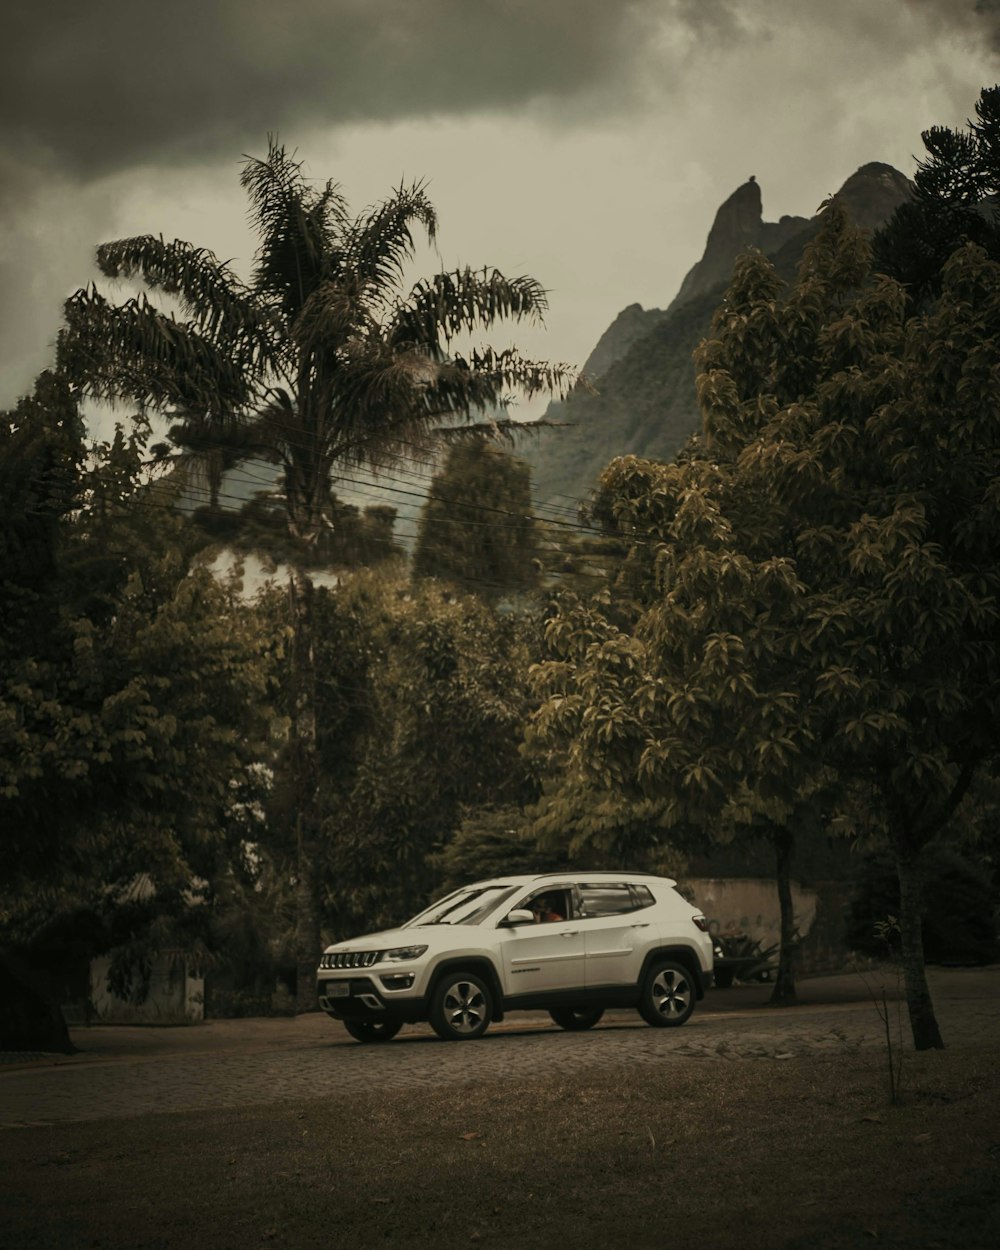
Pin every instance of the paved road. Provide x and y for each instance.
(231, 1063)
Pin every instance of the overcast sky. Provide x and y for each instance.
(586, 142)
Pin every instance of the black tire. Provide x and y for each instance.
(461, 1007)
(576, 1018)
(667, 996)
(372, 1030)
(723, 978)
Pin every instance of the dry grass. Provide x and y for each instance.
(705, 1153)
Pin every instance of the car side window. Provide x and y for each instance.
(605, 900)
(549, 905)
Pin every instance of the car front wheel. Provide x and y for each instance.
(461, 1007)
(576, 1018)
(372, 1030)
(667, 995)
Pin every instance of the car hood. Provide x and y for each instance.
(386, 939)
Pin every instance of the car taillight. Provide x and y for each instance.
(701, 922)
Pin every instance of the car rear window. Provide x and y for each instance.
(615, 899)
(643, 896)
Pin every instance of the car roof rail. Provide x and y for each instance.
(579, 874)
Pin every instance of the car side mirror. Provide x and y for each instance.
(520, 915)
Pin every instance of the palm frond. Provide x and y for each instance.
(276, 425)
(482, 380)
(136, 351)
(332, 313)
(209, 292)
(298, 228)
(453, 303)
(390, 399)
(377, 393)
(381, 241)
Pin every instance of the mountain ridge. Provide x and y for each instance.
(639, 398)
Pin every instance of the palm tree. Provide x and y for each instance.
(320, 363)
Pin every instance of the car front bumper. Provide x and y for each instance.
(370, 997)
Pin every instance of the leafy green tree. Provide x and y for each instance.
(492, 841)
(955, 201)
(476, 528)
(823, 588)
(447, 699)
(422, 700)
(671, 718)
(132, 703)
(958, 907)
(318, 363)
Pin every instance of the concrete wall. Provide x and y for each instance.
(176, 995)
(749, 905)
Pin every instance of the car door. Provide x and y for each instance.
(544, 957)
(616, 933)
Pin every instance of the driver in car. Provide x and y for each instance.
(544, 911)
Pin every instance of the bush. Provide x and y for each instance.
(959, 908)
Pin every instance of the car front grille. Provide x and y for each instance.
(349, 959)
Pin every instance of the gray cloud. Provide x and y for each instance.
(95, 87)
(92, 90)
(98, 86)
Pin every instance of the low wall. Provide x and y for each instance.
(176, 995)
(749, 905)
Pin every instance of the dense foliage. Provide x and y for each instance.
(955, 201)
(133, 707)
(422, 696)
(476, 528)
(818, 576)
(319, 363)
(957, 905)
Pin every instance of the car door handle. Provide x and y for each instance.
(643, 925)
(568, 932)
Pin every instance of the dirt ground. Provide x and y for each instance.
(803, 1152)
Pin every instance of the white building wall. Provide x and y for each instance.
(176, 994)
(749, 905)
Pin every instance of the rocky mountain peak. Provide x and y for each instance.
(630, 324)
(739, 224)
(870, 195)
(873, 193)
(643, 400)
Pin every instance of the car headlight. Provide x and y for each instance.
(405, 952)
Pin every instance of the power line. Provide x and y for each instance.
(452, 524)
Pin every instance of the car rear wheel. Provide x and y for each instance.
(372, 1030)
(667, 996)
(461, 1008)
(576, 1018)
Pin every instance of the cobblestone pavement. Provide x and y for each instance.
(233, 1063)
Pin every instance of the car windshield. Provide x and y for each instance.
(467, 906)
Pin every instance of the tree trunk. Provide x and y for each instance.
(923, 1021)
(784, 993)
(28, 1020)
(305, 763)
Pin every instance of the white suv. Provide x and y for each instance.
(569, 943)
